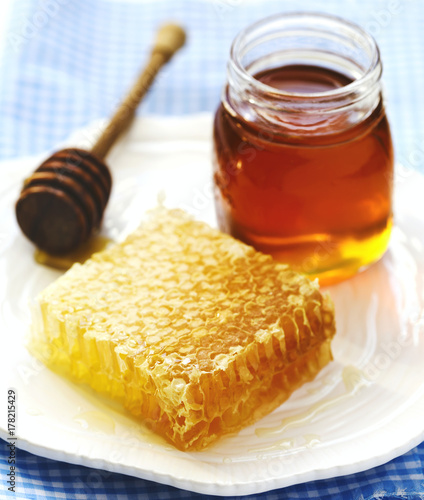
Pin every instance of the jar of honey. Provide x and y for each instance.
(303, 158)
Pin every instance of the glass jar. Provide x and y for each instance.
(303, 158)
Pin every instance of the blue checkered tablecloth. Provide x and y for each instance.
(67, 62)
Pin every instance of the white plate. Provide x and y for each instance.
(363, 409)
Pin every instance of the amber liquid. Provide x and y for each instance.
(96, 243)
(322, 203)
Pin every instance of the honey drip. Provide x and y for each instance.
(354, 381)
(63, 262)
(96, 421)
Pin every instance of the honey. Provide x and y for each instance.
(95, 244)
(195, 333)
(303, 160)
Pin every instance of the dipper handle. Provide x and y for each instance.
(169, 39)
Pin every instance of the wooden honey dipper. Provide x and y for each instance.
(62, 203)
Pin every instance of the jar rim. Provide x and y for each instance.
(370, 75)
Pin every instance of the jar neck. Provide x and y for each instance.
(312, 40)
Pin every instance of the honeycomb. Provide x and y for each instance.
(194, 332)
